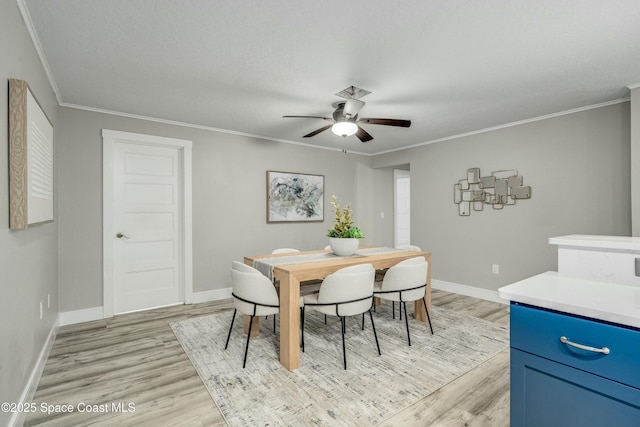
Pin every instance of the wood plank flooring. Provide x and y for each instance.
(135, 358)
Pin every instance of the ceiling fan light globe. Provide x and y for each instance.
(344, 128)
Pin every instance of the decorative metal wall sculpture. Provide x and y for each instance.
(501, 188)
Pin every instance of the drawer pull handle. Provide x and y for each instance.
(603, 350)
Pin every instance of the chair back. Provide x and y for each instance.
(406, 276)
(239, 266)
(284, 251)
(351, 288)
(254, 294)
(409, 248)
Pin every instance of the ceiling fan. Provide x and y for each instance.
(345, 120)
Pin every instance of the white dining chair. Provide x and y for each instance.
(405, 282)
(347, 292)
(284, 251)
(380, 276)
(253, 295)
(409, 248)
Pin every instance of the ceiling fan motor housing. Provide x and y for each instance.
(339, 116)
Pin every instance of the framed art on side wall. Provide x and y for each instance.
(30, 159)
(294, 197)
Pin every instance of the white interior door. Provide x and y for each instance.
(146, 230)
(402, 211)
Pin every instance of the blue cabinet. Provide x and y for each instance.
(555, 383)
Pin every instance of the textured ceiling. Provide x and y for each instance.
(450, 66)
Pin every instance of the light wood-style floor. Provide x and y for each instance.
(135, 358)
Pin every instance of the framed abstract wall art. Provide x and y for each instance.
(294, 197)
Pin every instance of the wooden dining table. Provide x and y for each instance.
(291, 275)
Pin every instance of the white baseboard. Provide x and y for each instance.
(469, 291)
(97, 313)
(214, 295)
(29, 391)
(81, 316)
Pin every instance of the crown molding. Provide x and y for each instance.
(517, 123)
(24, 11)
(26, 17)
(201, 127)
(447, 138)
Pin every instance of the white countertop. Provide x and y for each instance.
(610, 302)
(599, 242)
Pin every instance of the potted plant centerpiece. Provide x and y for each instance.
(344, 237)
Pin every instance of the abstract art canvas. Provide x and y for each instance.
(294, 197)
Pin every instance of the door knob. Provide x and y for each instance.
(122, 236)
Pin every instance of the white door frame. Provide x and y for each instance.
(109, 138)
(398, 174)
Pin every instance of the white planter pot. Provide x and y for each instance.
(343, 247)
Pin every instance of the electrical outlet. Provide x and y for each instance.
(381, 215)
(495, 269)
(40, 310)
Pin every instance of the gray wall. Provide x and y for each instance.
(28, 258)
(579, 170)
(635, 162)
(229, 199)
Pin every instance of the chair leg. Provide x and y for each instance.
(428, 317)
(344, 349)
(400, 309)
(230, 327)
(325, 319)
(363, 320)
(274, 323)
(246, 349)
(393, 308)
(302, 326)
(406, 320)
(373, 326)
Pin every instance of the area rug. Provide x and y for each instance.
(321, 392)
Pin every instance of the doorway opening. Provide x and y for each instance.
(402, 207)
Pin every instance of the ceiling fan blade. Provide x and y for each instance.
(363, 135)
(352, 107)
(386, 122)
(307, 117)
(317, 131)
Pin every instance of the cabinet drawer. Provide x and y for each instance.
(538, 332)
(546, 393)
